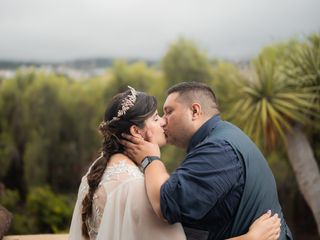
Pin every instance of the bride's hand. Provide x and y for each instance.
(266, 227)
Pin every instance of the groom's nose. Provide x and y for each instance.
(163, 121)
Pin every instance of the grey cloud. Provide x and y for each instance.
(59, 29)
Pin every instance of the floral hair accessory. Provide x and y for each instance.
(126, 104)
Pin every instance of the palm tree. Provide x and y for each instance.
(283, 100)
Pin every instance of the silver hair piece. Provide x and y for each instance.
(126, 104)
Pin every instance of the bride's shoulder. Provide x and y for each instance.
(120, 157)
(120, 167)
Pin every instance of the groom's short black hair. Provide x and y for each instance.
(195, 91)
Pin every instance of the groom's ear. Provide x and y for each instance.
(196, 110)
(135, 131)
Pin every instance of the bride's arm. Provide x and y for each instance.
(266, 227)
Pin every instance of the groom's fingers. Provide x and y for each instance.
(130, 148)
(128, 154)
(127, 144)
(130, 138)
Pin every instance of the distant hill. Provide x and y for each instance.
(4, 64)
(83, 64)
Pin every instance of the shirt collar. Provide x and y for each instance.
(203, 132)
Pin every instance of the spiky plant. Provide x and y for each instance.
(280, 102)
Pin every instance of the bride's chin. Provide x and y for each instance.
(162, 143)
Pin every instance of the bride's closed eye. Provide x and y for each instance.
(156, 117)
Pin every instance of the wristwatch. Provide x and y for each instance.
(146, 161)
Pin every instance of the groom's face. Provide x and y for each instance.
(178, 117)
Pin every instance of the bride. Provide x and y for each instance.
(112, 202)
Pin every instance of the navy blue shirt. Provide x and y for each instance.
(205, 190)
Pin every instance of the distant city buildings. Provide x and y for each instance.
(7, 73)
(76, 69)
(65, 70)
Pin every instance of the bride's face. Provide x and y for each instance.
(154, 124)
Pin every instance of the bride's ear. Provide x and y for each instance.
(135, 131)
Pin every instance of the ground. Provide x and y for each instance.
(37, 237)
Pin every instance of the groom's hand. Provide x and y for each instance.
(137, 149)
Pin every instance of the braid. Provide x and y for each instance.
(110, 146)
(93, 178)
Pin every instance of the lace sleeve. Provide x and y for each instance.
(93, 223)
(98, 204)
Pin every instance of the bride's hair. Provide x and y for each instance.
(111, 128)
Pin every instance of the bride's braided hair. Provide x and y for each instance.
(111, 128)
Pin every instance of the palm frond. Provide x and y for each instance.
(283, 93)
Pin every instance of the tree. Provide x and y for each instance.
(13, 130)
(184, 63)
(277, 103)
(137, 75)
(224, 78)
(304, 70)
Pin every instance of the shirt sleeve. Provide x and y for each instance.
(207, 174)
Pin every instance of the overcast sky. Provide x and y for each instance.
(70, 29)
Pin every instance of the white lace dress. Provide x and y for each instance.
(121, 209)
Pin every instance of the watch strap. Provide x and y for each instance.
(146, 161)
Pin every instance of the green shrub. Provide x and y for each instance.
(9, 199)
(52, 212)
(44, 211)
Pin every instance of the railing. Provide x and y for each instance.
(37, 237)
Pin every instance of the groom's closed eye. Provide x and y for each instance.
(167, 111)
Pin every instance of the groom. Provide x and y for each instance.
(224, 182)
